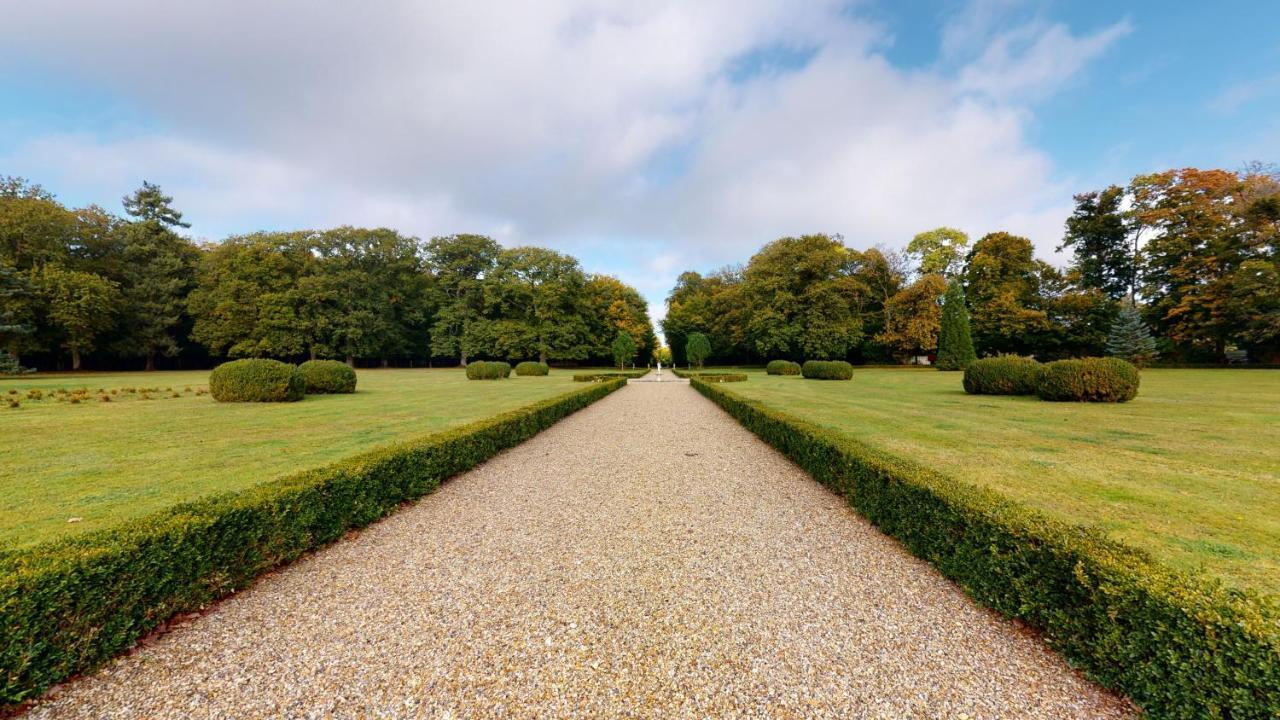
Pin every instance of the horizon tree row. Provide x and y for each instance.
(1196, 252)
(77, 283)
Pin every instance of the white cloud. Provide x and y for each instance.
(582, 124)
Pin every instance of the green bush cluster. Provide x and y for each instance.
(488, 370)
(256, 380)
(1089, 380)
(1002, 375)
(827, 370)
(529, 368)
(68, 606)
(328, 377)
(605, 376)
(782, 367)
(1180, 646)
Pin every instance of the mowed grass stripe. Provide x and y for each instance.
(1189, 471)
(107, 462)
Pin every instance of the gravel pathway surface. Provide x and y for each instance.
(645, 557)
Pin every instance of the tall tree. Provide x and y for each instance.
(914, 318)
(459, 265)
(159, 272)
(939, 251)
(697, 349)
(533, 299)
(624, 349)
(81, 306)
(1130, 339)
(14, 288)
(1098, 237)
(611, 306)
(1002, 284)
(955, 343)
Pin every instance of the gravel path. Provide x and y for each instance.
(646, 557)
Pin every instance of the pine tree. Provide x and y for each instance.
(955, 343)
(12, 286)
(1130, 339)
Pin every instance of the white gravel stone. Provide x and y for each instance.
(646, 557)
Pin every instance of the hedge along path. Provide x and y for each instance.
(645, 556)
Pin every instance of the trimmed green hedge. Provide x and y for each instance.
(1002, 375)
(68, 606)
(782, 367)
(1089, 380)
(328, 377)
(532, 369)
(256, 380)
(711, 376)
(1179, 646)
(604, 376)
(826, 370)
(488, 370)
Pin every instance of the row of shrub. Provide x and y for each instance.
(711, 376)
(488, 370)
(604, 376)
(1082, 380)
(782, 367)
(1179, 646)
(68, 606)
(261, 380)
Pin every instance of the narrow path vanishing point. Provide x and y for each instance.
(645, 557)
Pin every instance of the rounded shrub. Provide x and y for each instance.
(530, 368)
(256, 381)
(488, 370)
(1089, 380)
(782, 367)
(1002, 375)
(327, 377)
(827, 370)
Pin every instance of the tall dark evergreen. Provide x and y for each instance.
(159, 273)
(1099, 239)
(1129, 339)
(12, 287)
(955, 343)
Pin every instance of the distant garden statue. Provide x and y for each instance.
(1130, 340)
(697, 349)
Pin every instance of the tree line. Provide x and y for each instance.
(132, 290)
(1195, 253)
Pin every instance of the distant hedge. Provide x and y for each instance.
(605, 376)
(328, 377)
(256, 380)
(782, 367)
(529, 369)
(71, 605)
(488, 370)
(826, 370)
(712, 376)
(1179, 645)
(1089, 380)
(1002, 375)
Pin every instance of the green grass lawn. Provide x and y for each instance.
(104, 462)
(1189, 471)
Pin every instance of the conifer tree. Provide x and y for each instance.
(624, 349)
(697, 349)
(955, 343)
(1130, 340)
(12, 286)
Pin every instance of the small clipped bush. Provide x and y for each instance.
(529, 368)
(1002, 375)
(328, 377)
(782, 367)
(1089, 380)
(488, 370)
(256, 381)
(826, 370)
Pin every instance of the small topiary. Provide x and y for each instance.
(256, 381)
(1002, 375)
(529, 368)
(488, 370)
(328, 377)
(1089, 380)
(826, 370)
(782, 367)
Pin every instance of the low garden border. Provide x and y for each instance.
(1179, 646)
(70, 605)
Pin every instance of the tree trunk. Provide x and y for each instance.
(351, 361)
(385, 363)
(151, 360)
(313, 352)
(542, 356)
(75, 359)
(464, 358)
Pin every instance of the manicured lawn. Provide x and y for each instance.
(1189, 471)
(104, 462)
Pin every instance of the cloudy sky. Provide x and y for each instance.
(645, 137)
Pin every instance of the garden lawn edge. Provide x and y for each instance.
(69, 605)
(1179, 646)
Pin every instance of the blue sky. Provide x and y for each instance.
(645, 138)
